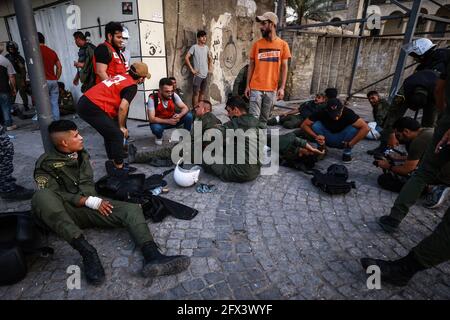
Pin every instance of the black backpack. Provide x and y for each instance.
(20, 237)
(334, 181)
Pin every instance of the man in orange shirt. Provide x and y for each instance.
(51, 60)
(268, 56)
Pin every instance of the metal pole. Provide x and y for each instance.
(410, 28)
(358, 47)
(30, 43)
(281, 5)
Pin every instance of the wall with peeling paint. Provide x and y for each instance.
(231, 30)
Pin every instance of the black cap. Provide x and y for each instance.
(238, 102)
(331, 93)
(334, 107)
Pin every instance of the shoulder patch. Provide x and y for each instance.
(41, 182)
(58, 165)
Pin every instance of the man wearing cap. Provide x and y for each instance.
(105, 107)
(232, 169)
(337, 127)
(268, 56)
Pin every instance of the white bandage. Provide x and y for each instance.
(93, 203)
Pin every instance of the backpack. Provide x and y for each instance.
(19, 238)
(87, 73)
(334, 181)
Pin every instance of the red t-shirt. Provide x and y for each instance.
(50, 58)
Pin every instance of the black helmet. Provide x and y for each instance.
(11, 45)
(338, 170)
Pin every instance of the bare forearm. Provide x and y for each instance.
(251, 68)
(309, 131)
(284, 71)
(362, 133)
(12, 81)
(401, 170)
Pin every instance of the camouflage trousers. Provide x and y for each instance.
(7, 182)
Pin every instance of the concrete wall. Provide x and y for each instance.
(320, 61)
(230, 28)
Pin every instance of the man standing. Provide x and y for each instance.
(202, 66)
(9, 190)
(85, 63)
(108, 58)
(161, 110)
(18, 63)
(267, 56)
(67, 203)
(105, 107)
(51, 61)
(337, 127)
(7, 91)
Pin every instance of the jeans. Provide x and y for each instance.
(261, 104)
(5, 106)
(334, 140)
(158, 128)
(53, 91)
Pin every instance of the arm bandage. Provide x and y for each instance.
(93, 203)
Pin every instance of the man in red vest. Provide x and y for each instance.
(161, 110)
(105, 107)
(108, 58)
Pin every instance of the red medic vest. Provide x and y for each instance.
(116, 65)
(106, 94)
(160, 110)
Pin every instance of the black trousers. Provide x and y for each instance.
(392, 182)
(106, 126)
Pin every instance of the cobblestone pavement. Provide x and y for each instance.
(274, 238)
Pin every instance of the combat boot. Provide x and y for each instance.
(95, 274)
(157, 264)
(378, 150)
(398, 272)
(18, 194)
(388, 224)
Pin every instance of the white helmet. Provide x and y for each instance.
(419, 46)
(184, 177)
(125, 37)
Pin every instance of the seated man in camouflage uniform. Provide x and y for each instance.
(203, 113)
(9, 190)
(67, 203)
(293, 119)
(380, 109)
(231, 170)
(65, 100)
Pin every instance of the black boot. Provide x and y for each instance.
(95, 274)
(157, 264)
(378, 150)
(398, 272)
(388, 224)
(18, 194)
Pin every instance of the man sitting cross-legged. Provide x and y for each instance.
(337, 127)
(67, 203)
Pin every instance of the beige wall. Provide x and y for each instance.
(231, 31)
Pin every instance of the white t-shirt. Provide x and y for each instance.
(151, 102)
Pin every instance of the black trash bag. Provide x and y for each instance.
(20, 237)
(121, 188)
(334, 181)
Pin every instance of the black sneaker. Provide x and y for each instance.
(130, 169)
(346, 158)
(388, 224)
(113, 171)
(18, 194)
(436, 197)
